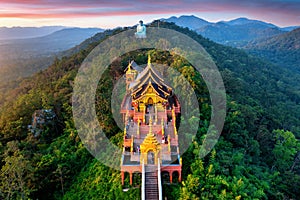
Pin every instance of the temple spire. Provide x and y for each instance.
(149, 59)
(129, 68)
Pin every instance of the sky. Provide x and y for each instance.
(110, 14)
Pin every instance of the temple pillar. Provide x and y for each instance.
(169, 143)
(143, 156)
(130, 174)
(162, 128)
(156, 158)
(138, 128)
(122, 177)
(131, 146)
(173, 117)
(171, 178)
(165, 113)
(155, 109)
(179, 176)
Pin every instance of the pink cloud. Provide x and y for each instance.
(37, 9)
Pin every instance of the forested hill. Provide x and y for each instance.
(286, 41)
(282, 49)
(255, 158)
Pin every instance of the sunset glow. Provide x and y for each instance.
(107, 14)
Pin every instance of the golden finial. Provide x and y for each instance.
(129, 68)
(149, 59)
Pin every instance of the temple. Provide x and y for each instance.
(149, 111)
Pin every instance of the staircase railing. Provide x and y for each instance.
(143, 181)
(159, 181)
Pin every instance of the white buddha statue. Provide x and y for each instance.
(140, 30)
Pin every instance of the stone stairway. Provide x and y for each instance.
(151, 185)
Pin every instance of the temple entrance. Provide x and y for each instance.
(150, 158)
(150, 101)
(165, 177)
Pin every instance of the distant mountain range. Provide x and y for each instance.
(27, 32)
(234, 32)
(55, 42)
(23, 57)
(279, 45)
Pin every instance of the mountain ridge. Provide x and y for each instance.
(189, 21)
(236, 21)
(244, 20)
(22, 57)
(233, 32)
(19, 32)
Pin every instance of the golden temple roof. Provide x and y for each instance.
(149, 76)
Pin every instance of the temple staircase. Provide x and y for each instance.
(151, 182)
(151, 185)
